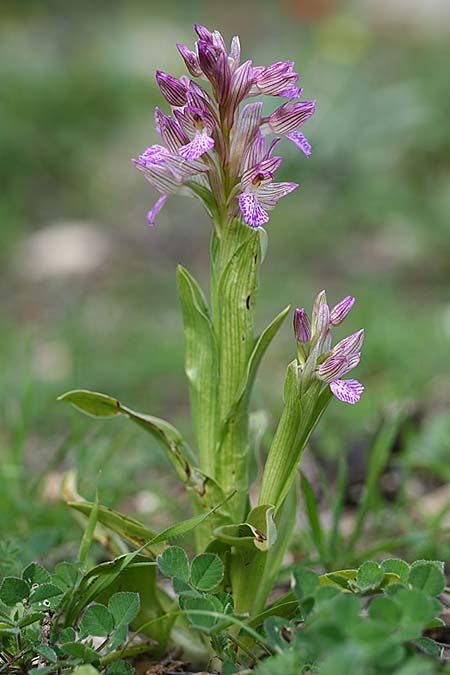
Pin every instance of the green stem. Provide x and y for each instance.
(299, 418)
(235, 265)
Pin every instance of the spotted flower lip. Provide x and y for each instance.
(213, 123)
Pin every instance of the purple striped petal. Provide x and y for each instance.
(172, 89)
(302, 325)
(351, 344)
(301, 142)
(340, 311)
(197, 147)
(202, 32)
(348, 391)
(207, 56)
(235, 51)
(245, 131)
(289, 116)
(241, 83)
(151, 215)
(269, 195)
(155, 154)
(190, 58)
(252, 211)
(333, 368)
(276, 79)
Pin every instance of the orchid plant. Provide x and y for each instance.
(218, 145)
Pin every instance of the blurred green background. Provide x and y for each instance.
(88, 295)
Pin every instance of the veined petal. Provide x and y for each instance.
(197, 147)
(186, 168)
(241, 83)
(172, 134)
(302, 325)
(276, 79)
(222, 77)
(351, 344)
(289, 116)
(155, 154)
(255, 152)
(340, 311)
(235, 52)
(207, 56)
(266, 167)
(172, 89)
(333, 368)
(151, 215)
(301, 142)
(348, 391)
(244, 132)
(269, 195)
(202, 32)
(160, 177)
(252, 211)
(190, 58)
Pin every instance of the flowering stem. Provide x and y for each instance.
(235, 265)
(299, 417)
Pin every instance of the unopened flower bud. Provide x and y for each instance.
(340, 311)
(172, 89)
(302, 325)
(191, 60)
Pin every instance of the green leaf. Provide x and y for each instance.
(312, 513)
(13, 590)
(67, 635)
(99, 578)
(306, 583)
(416, 609)
(80, 651)
(398, 567)
(66, 575)
(198, 604)
(85, 670)
(47, 652)
(370, 576)
(47, 596)
(262, 523)
(88, 534)
(385, 610)
(428, 576)
(97, 621)
(201, 366)
(29, 619)
(119, 668)
(35, 574)
(378, 459)
(207, 571)
(128, 528)
(170, 439)
(173, 562)
(124, 607)
(260, 348)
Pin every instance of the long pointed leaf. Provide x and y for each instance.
(95, 404)
(201, 365)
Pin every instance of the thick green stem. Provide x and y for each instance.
(235, 265)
